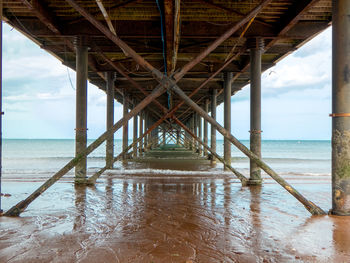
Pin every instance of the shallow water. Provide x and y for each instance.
(172, 216)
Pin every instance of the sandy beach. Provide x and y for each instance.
(165, 217)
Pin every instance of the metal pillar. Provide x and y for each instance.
(192, 130)
(199, 121)
(341, 109)
(212, 127)
(178, 137)
(126, 126)
(141, 132)
(110, 118)
(256, 46)
(1, 113)
(134, 153)
(81, 107)
(163, 135)
(205, 127)
(227, 115)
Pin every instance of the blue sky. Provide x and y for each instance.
(39, 100)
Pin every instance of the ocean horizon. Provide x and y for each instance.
(305, 157)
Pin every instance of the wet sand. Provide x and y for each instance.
(183, 217)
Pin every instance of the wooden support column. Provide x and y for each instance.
(192, 130)
(212, 127)
(134, 153)
(341, 109)
(110, 118)
(178, 137)
(227, 115)
(126, 126)
(141, 132)
(255, 46)
(205, 127)
(81, 107)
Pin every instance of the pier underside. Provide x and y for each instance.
(168, 59)
(140, 212)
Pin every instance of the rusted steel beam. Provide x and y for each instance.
(240, 176)
(140, 60)
(311, 207)
(177, 34)
(169, 32)
(17, 209)
(106, 16)
(220, 40)
(172, 32)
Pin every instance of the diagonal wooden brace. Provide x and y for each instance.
(240, 176)
(17, 209)
(311, 207)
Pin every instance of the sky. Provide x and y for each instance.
(39, 95)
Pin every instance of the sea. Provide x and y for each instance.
(21, 157)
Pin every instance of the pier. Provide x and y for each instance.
(170, 63)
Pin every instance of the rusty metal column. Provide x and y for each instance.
(81, 107)
(141, 132)
(212, 128)
(205, 127)
(134, 139)
(126, 126)
(341, 108)
(227, 115)
(1, 113)
(255, 46)
(110, 118)
(199, 121)
(192, 130)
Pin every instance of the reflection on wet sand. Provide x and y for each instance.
(175, 219)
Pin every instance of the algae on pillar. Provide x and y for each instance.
(255, 46)
(134, 153)
(227, 115)
(110, 118)
(126, 126)
(212, 127)
(205, 127)
(341, 108)
(81, 106)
